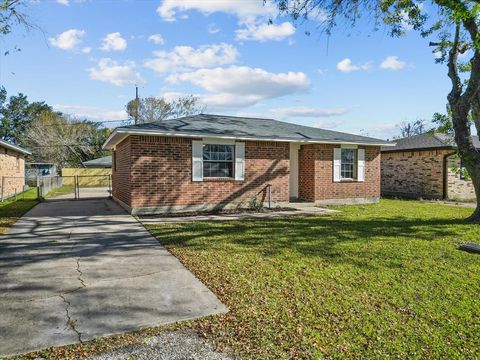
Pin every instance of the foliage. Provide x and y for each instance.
(64, 141)
(409, 129)
(375, 281)
(13, 209)
(16, 114)
(460, 171)
(151, 109)
(255, 204)
(11, 14)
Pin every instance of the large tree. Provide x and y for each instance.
(150, 109)
(65, 141)
(453, 29)
(16, 114)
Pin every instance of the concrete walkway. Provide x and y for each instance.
(74, 270)
(297, 209)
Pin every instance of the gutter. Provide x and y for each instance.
(106, 145)
(445, 175)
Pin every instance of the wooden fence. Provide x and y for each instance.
(86, 177)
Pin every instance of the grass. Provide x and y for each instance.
(11, 210)
(61, 190)
(375, 281)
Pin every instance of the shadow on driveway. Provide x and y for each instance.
(74, 270)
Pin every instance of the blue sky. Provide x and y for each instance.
(92, 53)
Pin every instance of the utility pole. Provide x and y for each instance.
(137, 104)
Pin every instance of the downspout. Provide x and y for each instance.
(445, 174)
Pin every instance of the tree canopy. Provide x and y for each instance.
(149, 109)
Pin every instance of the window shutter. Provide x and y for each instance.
(197, 160)
(337, 161)
(239, 161)
(361, 165)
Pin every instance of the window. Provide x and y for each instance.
(217, 160)
(348, 164)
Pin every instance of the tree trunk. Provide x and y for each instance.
(466, 149)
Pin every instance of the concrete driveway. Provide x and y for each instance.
(74, 270)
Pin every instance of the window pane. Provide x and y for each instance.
(218, 160)
(348, 163)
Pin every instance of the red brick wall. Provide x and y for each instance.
(306, 172)
(121, 166)
(317, 173)
(161, 174)
(413, 173)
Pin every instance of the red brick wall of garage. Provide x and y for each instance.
(316, 175)
(121, 167)
(161, 174)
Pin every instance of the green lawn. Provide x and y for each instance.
(375, 281)
(11, 210)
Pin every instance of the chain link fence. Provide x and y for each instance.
(12, 186)
(58, 187)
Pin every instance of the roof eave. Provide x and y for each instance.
(123, 133)
(15, 148)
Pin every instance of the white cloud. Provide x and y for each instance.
(86, 50)
(308, 112)
(113, 42)
(238, 86)
(265, 32)
(347, 66)
(392, 63)
(68, 40)
(91, 113)
(243, 9)
(109, 70)
(186, 57)
(63, 2)
(156, 39)
(213, 29)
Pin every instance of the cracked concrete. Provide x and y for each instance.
(71, 271)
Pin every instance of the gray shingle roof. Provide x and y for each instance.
(426, 142)
(14, 147)
(103, 162)
(206, 125)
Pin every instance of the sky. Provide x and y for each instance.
(90, 54)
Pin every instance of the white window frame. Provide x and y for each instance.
(238, 162)
(359, 164)
(224, 161)
(354, 163)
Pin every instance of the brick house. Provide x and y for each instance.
(425, 166)
(204, 162)
(12, 169)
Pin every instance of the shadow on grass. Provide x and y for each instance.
(334, 238)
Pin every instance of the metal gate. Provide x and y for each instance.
(93, 186)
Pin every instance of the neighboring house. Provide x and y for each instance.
(204, 162)
(41, 169)
(12, 169)
(100, 163)
(425, 166)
